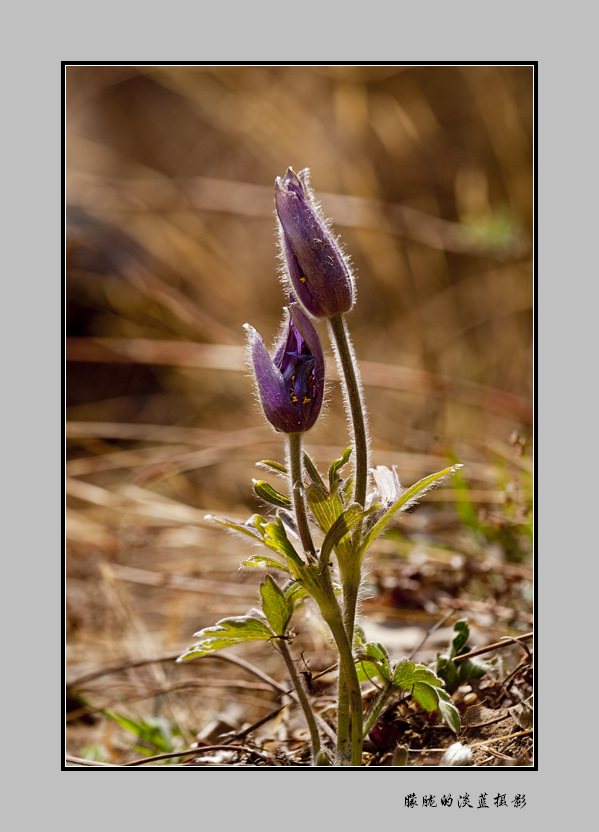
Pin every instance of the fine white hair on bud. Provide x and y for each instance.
(316, 268)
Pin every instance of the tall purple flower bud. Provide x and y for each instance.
(291, 384)
(318, 270)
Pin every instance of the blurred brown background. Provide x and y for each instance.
(427, 174)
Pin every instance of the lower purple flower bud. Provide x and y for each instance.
(291, 384)
(318, 270)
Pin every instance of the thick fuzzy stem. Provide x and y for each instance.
(354, 401)
(349, 736)
(349, 749)
(351, 573)
(297, 494)
(352, 694)
(343, 719)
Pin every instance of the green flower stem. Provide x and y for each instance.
(351, 568)
(351, 585)
(354, 400)
(349, 745)
(343, 719)
(303, 699)
(318, 583)
(297, 494)
(350, 596)
(353, 755)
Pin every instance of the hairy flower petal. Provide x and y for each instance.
(318, 271)
(291, 384)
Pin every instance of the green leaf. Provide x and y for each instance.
(336, 466)
(359, 637)
(325, 507)
(456, 674)
(227, 633)
(407, 499)
(275, 606)
(426, 696)
(274, 466)
(367, 671)
(312, 471)
(272, 534)
(342, 526)
(474, 669)
(156, 732)
(259, 523)
(460, 639)
(238, 527)
(407, 674)
(262, 562)
(448, 711)
(373, 661)
(267, 493)
(375, 650)
(295, 593)
(346, 489)
(433, 698)
(448, 671)
(276, 538)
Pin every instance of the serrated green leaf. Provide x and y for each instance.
(267, 493)
(275, 606)
(403, 675)
(227, 633)
(408, 497)
(262, 562)
(426, 696)
(407, 674)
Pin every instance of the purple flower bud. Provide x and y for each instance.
(319, 272)
(291, 384)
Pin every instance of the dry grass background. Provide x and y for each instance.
(427, 174)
